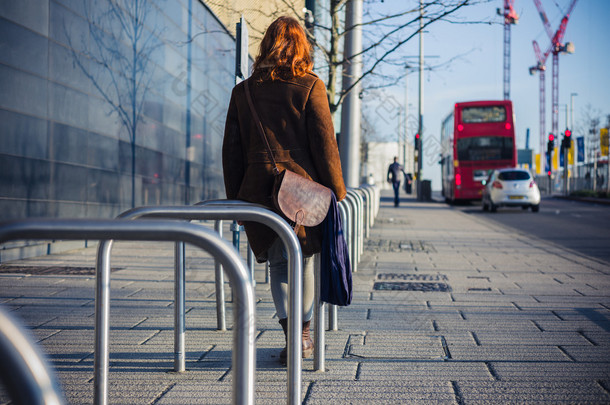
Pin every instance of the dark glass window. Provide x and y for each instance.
(496, 113)
(485, 148)
(514, 175)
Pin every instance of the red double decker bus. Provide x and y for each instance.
(477, 137)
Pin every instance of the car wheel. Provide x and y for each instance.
(535, 208)
(485, 206)
(493, 207)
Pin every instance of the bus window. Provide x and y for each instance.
(494, 113)
(485, 148)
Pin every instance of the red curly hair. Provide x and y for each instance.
(284, 50)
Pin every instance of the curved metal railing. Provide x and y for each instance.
(24, 369)
(243, 358)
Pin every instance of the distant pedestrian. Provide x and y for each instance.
(395, 172)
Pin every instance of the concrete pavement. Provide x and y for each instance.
(498, 318)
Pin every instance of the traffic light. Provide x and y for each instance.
(566, 142)
(417, 141)
(550, 144)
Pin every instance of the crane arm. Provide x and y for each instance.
(538, 53)
(558, 38)
(543, 17)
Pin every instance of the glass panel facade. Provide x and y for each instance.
(106, 105)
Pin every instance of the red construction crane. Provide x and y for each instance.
(556, 47)
(510, 18)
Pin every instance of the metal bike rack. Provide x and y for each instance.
(349, 236)
(369, 210)
(359, 221)
(241, 211)
(243, 359)
(24, 369)
(353, 242)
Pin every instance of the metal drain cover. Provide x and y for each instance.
(52, 270)
(385, 245)
(411, 277)
(411, 286)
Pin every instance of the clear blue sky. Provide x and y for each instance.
(478, 73)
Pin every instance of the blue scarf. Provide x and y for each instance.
(335, 269)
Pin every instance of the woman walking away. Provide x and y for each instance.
(293, 108)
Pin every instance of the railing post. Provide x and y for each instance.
(179, 307)
(332, 317)
(221, 323)
(319, 347)
(102, 324)
(251, 264)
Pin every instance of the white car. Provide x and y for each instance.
(510, 187)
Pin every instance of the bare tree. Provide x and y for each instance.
(118, 59)
(384, 35)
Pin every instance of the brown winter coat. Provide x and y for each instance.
(298, 125)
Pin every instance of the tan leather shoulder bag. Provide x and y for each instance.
(302, 201)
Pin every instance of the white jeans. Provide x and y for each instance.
(278, 269)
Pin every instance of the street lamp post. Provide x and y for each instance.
(572, 95)
(420, 127)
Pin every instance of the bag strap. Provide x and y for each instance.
(260, 128)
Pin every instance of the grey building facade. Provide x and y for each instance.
(110, 104)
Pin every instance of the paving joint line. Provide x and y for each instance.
(308, 392)
(139, 323)
(492, 371)
(584, 295)
(205, 354)
(581, 333)
(604, 385)
(162, 393)
(445, 348)
(48, 337)
(46, 322)
(134, 293)
(557, 315)
(224, 375)
(88, 303)
(155, 334)
(358, 371)
(565, 353)
(457, 392)
(475, 338)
